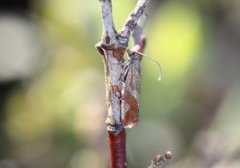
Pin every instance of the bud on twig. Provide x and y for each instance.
(161, 161)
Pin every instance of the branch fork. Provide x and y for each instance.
(121, 92)
(112, 48)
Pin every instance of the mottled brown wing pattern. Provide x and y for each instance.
(131, 90)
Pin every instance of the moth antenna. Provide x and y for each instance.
(155, 61)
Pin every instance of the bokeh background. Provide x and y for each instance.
(52, 95)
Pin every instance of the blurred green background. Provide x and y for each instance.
(52, 95)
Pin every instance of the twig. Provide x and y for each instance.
(139, 39)
(131, 22)
(109, 33)
(118, 150)
(113, 51)
(113, 59)
(161, 161)
(112, 47)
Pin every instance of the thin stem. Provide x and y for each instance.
(109, 35)
(160, 161)
(131, 21)
(117, 149)
(112, 47)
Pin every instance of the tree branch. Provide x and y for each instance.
(113, 51)
(131, 22)
(139, 39)
(109, 35)
(113, 59)
(122, 96)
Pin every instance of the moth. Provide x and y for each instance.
(131, 88)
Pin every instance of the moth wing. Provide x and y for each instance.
(130, 98)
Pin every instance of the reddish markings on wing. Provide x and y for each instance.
(131, 116)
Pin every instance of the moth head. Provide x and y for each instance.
(133, 55)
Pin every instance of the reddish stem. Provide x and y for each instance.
(117, 149)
